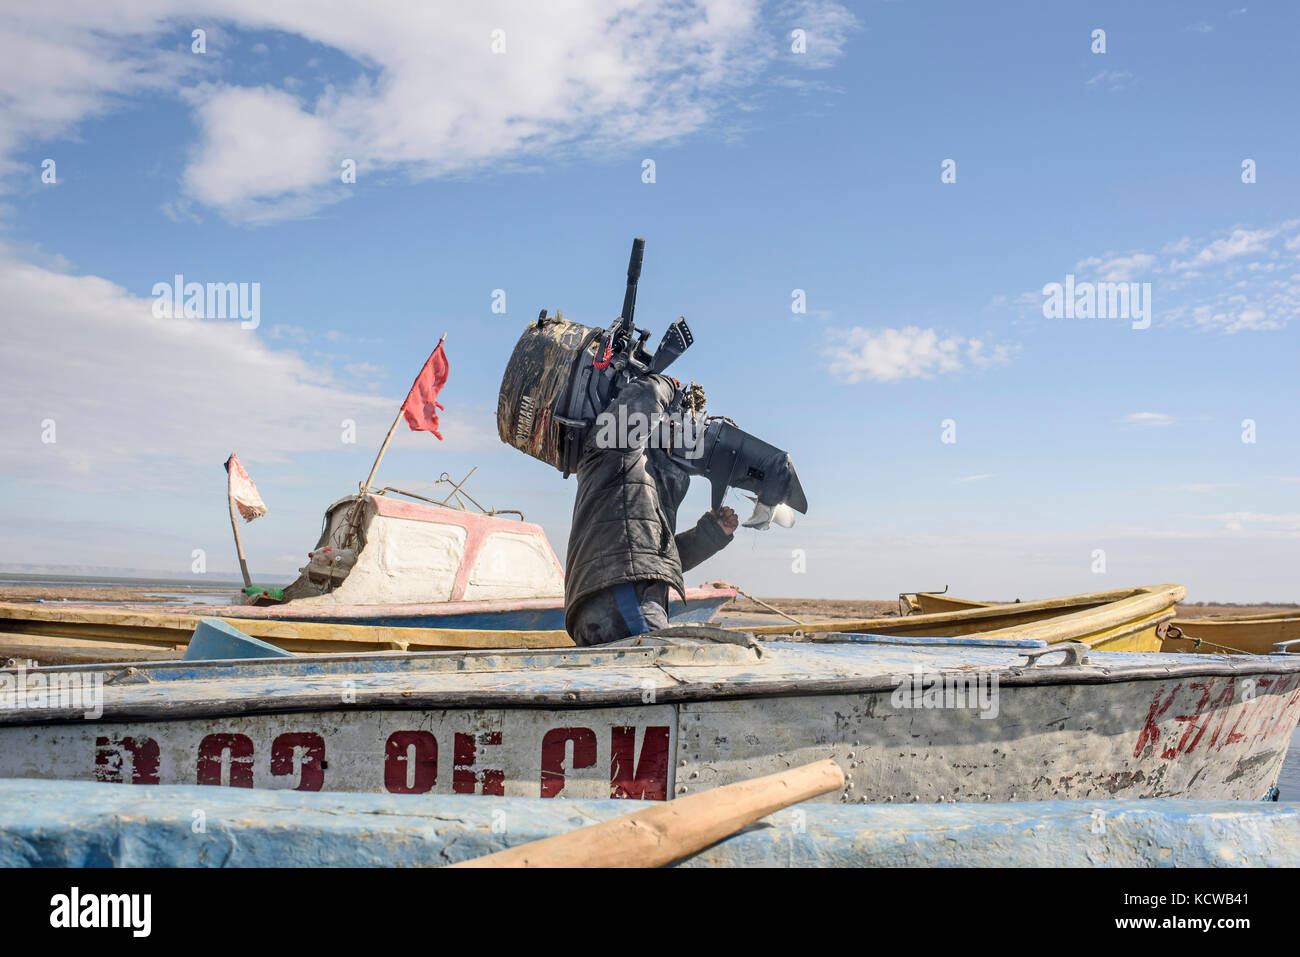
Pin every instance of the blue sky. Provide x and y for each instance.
(775, 171)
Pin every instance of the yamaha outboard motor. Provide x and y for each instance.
(563, 374)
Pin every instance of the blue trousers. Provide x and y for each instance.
(623, 611)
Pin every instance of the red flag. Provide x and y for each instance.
(422, 405)
(243, 491)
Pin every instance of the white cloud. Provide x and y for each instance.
(1147, 419)
(974, 478)
(1243, 279)
(1113, 81)
(1287, 526)
(887, 355)
(427, 97)
(60, 64)
(826, 26)
(1240, 242)
(139, 401)
(1116, 268)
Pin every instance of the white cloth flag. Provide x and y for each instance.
(243, 491)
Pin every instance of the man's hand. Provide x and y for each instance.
(727, 518)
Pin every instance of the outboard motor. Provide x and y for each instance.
(562, 375)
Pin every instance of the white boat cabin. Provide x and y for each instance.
(379, 550)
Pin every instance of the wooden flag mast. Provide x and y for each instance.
(234, 526)
(365, 486)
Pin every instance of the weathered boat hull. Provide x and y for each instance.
(69, 633)
(71, 824)
(1126, 619)
(665, 720)
(534, 614)
(1211, 635)
(1231, 634)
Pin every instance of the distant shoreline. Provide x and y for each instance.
(197, 582)
(110, 589)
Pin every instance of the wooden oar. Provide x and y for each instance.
(675, 829)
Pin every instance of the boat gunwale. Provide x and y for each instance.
(681, 691)
(1230, 620)
(1114, 608)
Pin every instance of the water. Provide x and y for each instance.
(161, 597)
(173, 591)
(106, 581)
(1289, 780)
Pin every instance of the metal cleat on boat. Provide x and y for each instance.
(1076, 653)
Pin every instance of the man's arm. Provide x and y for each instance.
(711, 534)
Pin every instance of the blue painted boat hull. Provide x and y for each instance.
(78, 824)
(695, 611)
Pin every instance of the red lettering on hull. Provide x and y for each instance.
(554, 746)
(410, 762)
(110, 757)
(644, 779)
(464, 777)
(1149, 736)
(311, 770)
(213, 748)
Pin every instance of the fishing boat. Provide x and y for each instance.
(413, 575)
(1210, 634)
(1234, 634)
(424, 564)
(976, 717)
(1120, 620)
(930, 603)
(1124, 619)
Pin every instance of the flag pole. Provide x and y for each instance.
(234, 526)
(365, 486)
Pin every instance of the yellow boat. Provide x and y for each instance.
(1119, 620)
(1232, 634)
(74, 634)
(1124, 619)
(930, 603)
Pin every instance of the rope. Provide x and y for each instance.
(1197, 642)
(759, 601)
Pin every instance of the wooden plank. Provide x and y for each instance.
(660, 835)
(58, 650)
(136, 628)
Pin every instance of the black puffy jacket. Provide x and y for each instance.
(625, 513)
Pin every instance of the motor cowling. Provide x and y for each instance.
(548, 398)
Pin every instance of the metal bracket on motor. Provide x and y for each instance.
(1076, 653)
